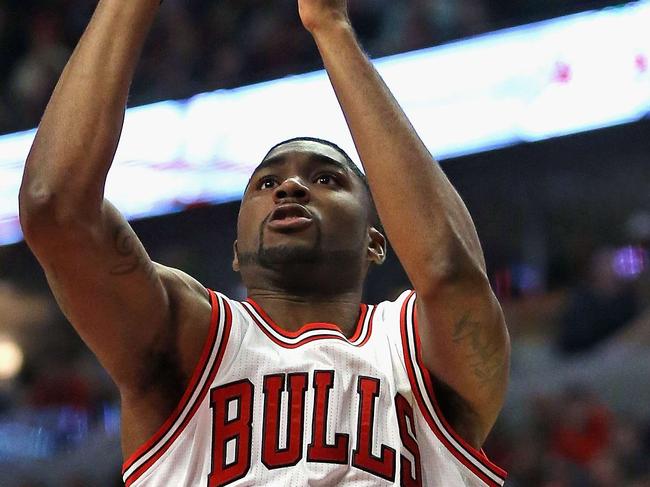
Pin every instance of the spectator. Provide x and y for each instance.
(202, 45)
(582, 428)
(36, 73)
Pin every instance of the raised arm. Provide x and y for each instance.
(130, 311)
(465, 343)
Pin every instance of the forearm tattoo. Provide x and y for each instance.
(485, 355)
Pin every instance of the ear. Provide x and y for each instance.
(377, 246)
(235, 259)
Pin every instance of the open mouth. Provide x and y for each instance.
(291, 216)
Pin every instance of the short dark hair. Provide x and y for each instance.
(376, 222)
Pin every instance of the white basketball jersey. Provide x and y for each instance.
(275, 408)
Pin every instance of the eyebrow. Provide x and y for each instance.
(320, 158)
(280, 159)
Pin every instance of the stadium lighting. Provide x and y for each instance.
(524, 84)
(11, 359)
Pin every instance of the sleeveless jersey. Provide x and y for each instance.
(275, 408)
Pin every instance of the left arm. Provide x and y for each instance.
(465, 342)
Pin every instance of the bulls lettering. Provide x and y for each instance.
(227, 429)
(283, 425)
(319, 450)
(410, 473)
(272, 455)
(363, 458)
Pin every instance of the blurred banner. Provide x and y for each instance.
(524, 84)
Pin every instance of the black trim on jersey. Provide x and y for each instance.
(213, 481)
(227, 408)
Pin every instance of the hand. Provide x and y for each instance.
(318, 14)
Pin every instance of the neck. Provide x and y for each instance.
(291, 311)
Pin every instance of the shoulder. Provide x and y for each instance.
(181, 285)
(393, 310)
(389, 317)
(190, 315)
(170, 360)
(173, 359)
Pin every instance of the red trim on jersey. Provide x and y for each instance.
(359, 330)
(267, 320)
(478, 454)
(369, 332)
(184, 403)
(410, 366)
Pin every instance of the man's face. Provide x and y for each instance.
(303, 206)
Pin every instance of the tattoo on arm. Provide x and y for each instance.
(130, 255)
(485, 356)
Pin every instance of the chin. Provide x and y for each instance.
(288, 254)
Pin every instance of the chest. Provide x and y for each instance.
(323, 404)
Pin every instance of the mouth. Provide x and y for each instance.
(290, 217)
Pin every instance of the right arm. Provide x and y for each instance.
(125, 307)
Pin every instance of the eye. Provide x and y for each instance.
(326, 179)
(268, 182)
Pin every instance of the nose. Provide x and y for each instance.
(291, 188)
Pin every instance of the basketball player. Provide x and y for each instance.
(301, 384)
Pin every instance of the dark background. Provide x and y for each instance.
(563, 223)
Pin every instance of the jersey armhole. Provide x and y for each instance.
(206, 367)
(422, 386)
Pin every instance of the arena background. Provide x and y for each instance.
(564, 221)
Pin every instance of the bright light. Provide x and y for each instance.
(630, 262)
(11, 359)
(524, 84)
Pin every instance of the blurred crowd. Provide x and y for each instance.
(62, 402)
(203, 45)
(580, 432)
(575, 440)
